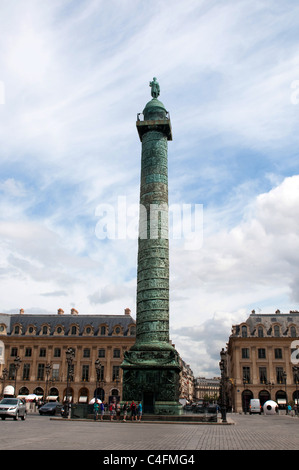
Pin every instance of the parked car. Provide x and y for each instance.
(51, 408)
(199, 409)
(12, 408)
(188, 407)
(212, 409)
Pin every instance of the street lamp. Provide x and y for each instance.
(70, 353)
(296, 374)
(48, 370)
(17, 364)
(270, 385)
(98, 366)
(284, 376)
(222, 365)
(3, 379)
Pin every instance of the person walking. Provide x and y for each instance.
(95, 410)
(125, 411)
(118, 408)
(139, 411)
(102, 409)
(133, 410)
(112, 411)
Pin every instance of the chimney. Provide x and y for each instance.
(74, 311)
(60, 311)
(127, 311)
(22, 311)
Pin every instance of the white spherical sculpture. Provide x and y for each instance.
(270, 407)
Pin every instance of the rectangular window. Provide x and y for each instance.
(246, 375)
(279, 375)
(245, 353)
(14, 352)
(40, 371)
(55, 372)
(26, 371)
(42, 352)
(261, 353)
(11, 371)
(57, 352)
(116, 353)
(263, 375)
(28, 352)
(115, 373)
(278, 353)
(101, 353)
(85, 373)
(86, 352)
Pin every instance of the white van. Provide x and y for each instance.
(255, 406)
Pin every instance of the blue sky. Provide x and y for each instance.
(75, 74)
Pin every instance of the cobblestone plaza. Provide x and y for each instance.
(245, 432)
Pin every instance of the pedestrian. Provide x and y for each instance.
(133, 410)
(102, 409)
(118, 411)
(95, 410)
(125, 411)
(112, 411)
(139, 411)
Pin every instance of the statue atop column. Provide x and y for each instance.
(155, 92)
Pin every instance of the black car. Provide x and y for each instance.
(51, 408)
(199, 409)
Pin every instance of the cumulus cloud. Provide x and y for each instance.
(251, 265)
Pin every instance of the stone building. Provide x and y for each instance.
(207, 388)
(41, 342)
(186, 382)
(261, 360)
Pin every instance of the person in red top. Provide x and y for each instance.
(133, 410)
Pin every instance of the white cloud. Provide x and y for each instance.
(75, 76)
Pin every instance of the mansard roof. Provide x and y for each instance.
(268, 321)
(95, 321)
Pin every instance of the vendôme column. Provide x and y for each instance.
(151, 367)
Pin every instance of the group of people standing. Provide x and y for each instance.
(115, 410)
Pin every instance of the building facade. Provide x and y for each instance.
(207, 388)
(261, 360)
(186, 383)
(38, 345)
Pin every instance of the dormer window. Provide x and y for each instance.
(244, 331)
(260, 332)
(73, 330)
(276, 331)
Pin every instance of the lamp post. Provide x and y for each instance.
(48, 370)
(284, 376)
(17, 364)
(70, 353)
(270, 385)
(3, 379)
(98, 366)
(222, 365)
(296, 374)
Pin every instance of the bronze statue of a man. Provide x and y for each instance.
(155, 92)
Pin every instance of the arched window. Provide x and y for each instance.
(73, 330)
(276, 331)
(244, 331)
(260, 332)
(293, 332)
